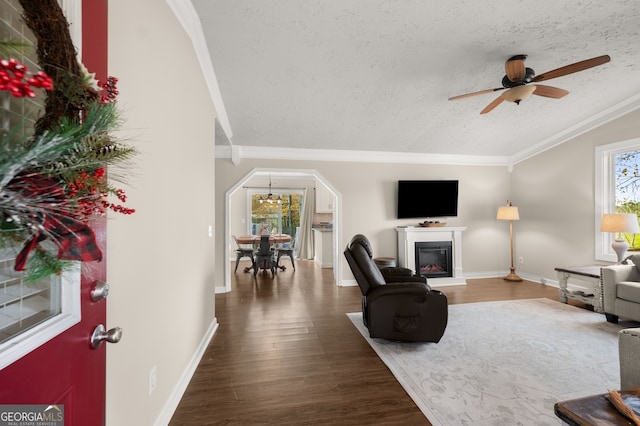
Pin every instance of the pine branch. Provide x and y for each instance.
(13, 48)
(42, 264)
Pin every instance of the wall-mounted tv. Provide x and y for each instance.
(427, 198)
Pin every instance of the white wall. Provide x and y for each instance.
(160, 259)
(555, 195)
(369, 205)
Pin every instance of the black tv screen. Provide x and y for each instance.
(427, 198)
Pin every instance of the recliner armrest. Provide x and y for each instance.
(396, 270)
(409, 289)
(393, 279)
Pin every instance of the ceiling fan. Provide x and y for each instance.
(518, 77)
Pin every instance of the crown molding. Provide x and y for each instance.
(236, 153)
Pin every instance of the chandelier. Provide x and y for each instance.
(269, 199)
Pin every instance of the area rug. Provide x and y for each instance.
(505, 363)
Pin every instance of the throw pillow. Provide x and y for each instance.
(634, 259)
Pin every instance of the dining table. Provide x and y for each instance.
(255, 239)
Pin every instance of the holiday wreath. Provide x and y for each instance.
(53, 168)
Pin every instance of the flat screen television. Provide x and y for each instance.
(427, 198)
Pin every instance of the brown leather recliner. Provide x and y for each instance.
(395, 304)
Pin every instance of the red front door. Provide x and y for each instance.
(67, 370)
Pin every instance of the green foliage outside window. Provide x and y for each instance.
(627, 186)
(279, 218)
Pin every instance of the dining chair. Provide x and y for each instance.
(265, 256)
(243, 251)
(286, 249)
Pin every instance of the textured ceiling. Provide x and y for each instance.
(377, 74)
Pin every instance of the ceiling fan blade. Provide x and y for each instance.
(492, 105)
(514, 67)
(549, 91)
(569, 69)
(481, 92)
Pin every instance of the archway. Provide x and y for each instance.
(289, 173)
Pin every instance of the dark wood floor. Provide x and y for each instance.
(286, 354)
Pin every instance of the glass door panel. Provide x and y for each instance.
(275, 217)
(23, 305)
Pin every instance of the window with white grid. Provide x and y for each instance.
(23, 305)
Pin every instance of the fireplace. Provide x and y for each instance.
(434, 259)
(408, 236)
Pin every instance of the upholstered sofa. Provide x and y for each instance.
(621, 290)
(629, 348)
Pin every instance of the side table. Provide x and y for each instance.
(590, 274)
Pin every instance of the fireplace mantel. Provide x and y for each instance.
(408, 236)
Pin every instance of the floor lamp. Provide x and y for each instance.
(510, 213)
(619, 223)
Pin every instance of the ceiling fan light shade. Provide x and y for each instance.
(518, 93)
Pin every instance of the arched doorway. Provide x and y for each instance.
(275, 174)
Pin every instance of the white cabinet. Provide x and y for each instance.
(323, 248)
(324, 199)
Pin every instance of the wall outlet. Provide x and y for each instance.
(153, 379)
(521, 260)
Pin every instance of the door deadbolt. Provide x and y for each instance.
(100, 291)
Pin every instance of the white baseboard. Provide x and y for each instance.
(528, 277)
(181, 386)
(488, 274)
(493, 274)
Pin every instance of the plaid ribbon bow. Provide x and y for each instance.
(74, 239)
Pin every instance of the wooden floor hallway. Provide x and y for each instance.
(285, 353)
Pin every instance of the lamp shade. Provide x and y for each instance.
(508, 213)
(619, 222)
